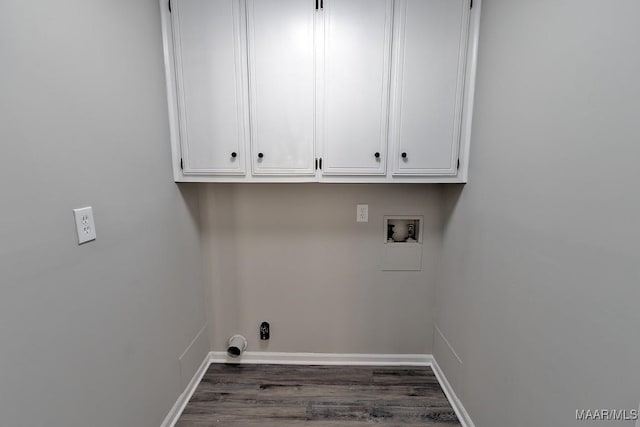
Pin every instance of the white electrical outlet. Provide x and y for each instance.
(362, 213)
(85, 226)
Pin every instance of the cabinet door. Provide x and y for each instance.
(357, 36)
(428, 78)
(211, 84)
(281, 81)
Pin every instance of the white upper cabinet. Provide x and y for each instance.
(281, 81)
(428, 81)
(209, 49)
(355, 86)
(320, 90)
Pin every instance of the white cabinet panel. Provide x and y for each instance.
(260, 89)
(427, 93)
(281, 81)
(357, 35)
(211, 85)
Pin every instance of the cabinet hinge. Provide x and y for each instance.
(458, 163)
(169, 1)
(320, 163)
(181, 164)
(316, 163)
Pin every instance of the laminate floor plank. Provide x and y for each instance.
(293, 395)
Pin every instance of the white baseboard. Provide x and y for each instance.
(274, 358)
(458, 407)
(191, 358)
(172, 417)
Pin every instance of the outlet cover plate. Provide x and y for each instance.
(362, 213)
(85, 226)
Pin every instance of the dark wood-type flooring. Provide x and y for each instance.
(288, 395)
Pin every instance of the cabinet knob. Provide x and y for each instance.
(260, 155)
(234, 154)
(404, 155)
(377, 155)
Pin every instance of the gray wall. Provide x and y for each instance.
(91, 335)
(293, 254)
(540, 281)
